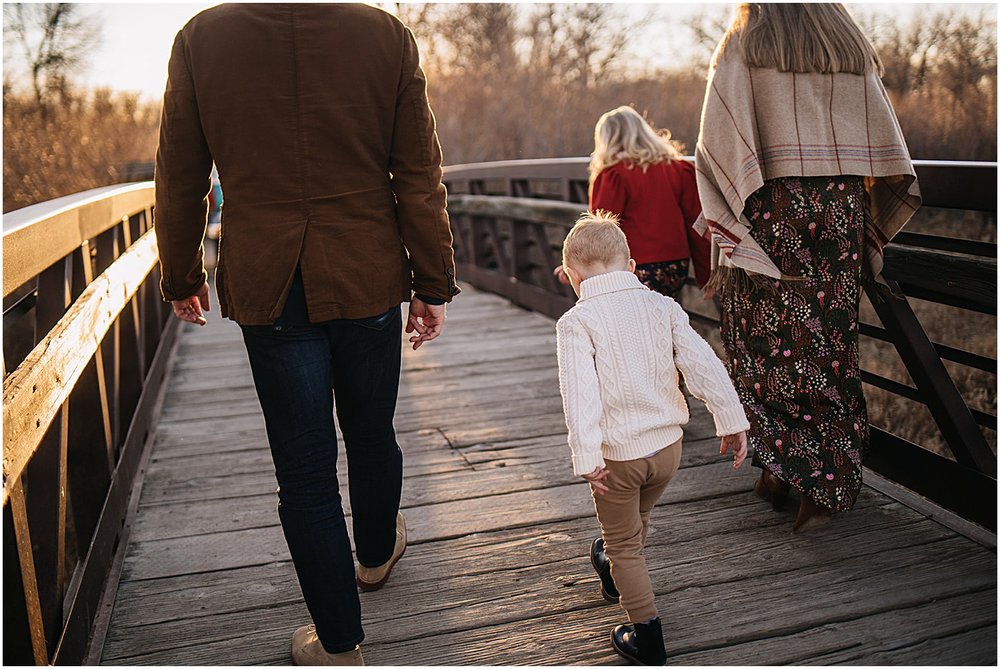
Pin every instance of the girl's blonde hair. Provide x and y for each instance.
(801, 37)
(623, 135)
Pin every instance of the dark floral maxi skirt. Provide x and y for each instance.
(793, 345)
(666, 278)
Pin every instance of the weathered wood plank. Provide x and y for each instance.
(182, 506)
(155, 558)
(518, 360)
(488, 617)
(964, 648)
(226, 550)
(512, 396)
(240, 388)
(680, 543)
(865, 638)
(181, 444)
(251, 461)
(699, 616)
(414, 381)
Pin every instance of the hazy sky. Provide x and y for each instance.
(136, 37)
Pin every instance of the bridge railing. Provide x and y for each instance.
(509, 219)
(86, 338)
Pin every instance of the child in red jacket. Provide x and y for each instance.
(641, 177)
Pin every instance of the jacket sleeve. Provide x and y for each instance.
(183, 183)
(581, 395)
(701, 247)
(608, 193)
(705, 375)
(415, 168)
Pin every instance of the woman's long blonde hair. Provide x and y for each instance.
(622, 134)
(801, 37)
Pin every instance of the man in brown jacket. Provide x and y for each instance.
(316, 117)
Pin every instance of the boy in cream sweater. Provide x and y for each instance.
(620, 349)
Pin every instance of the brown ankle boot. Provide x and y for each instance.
(811, 515)
(771, 489)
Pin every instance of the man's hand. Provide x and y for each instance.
(738, 444)
(190, 310)
(596, 480)
(426, 319)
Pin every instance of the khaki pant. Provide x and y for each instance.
(634, 486)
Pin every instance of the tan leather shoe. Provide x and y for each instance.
(307, 651)
(373, 578)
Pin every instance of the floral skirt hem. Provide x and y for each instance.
(666, 278)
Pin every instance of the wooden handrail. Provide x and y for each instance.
(546, 212)
(967, 280)
(38, 236)
(38, 388)
(943, 183)
(958, 279)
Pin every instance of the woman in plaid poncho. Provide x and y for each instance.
(803, 176)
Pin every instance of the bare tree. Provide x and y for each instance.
(53, 39)
(482, 37)
(707, 30)
(424, 18)
(968, 55)
(578, 43)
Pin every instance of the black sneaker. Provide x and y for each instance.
(602, 565)
(641, 643)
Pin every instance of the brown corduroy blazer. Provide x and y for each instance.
(317, 119)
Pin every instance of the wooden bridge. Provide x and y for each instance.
(139, 505)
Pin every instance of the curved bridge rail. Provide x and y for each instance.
(86, 338)
(509, 219)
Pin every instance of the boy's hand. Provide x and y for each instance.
(738, 444)
(596, 480)
(561, 275)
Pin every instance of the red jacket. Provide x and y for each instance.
(656, 208)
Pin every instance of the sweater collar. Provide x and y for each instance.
(609, 282)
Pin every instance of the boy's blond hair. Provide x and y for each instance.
(596, 239)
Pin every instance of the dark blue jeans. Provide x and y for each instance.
(298, 370)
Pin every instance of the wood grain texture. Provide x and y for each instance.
(496, 571)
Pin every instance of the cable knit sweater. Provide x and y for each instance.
(620, 349)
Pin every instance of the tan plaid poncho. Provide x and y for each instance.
(759, 124)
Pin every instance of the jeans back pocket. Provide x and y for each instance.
(380, 321)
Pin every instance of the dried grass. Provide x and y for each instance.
(80, 143)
